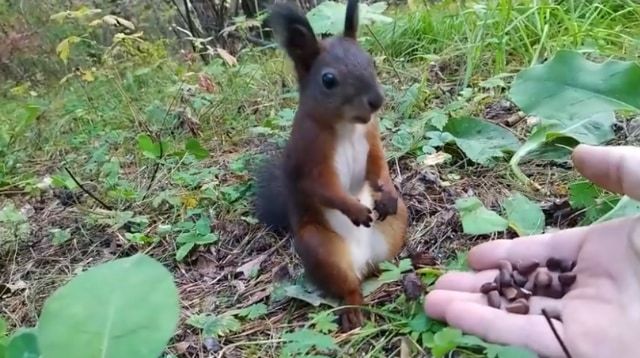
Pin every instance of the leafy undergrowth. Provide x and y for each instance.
(477, 142)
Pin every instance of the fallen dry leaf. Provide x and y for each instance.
(181, 348)
(252, 267)
(436, 158)
(206, 83)
(230, 60)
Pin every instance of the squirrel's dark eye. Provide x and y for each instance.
(329, 80)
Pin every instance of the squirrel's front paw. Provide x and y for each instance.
(361, 215)
(386, 205)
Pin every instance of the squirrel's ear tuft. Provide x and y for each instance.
(295, 35)
(351, 19)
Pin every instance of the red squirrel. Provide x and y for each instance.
(333, 174)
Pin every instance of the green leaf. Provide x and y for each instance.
(324, 322)
(460, 263)
(445, 341)
(138, 238)
(391, 273)
(196, 238)
(218, 326)
(302, 341)
(149, 147)
(525, 217)
(23, 344)
(477, 219)
(583, 194)
(329, 16)
(254, 311)
(124, 308)
(480, 140)
(409, 99)
(203, 226)
(420, 322)
(196, 149)
(497, 351)
(574, 97)
(436, 118)
(60, 236)
(184, 250)
(625, 207)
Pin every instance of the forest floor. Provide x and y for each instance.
(52, 230)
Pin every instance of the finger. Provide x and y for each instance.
(613, 168)
(438, 302)
(563, 244)
(530, 331)
(465, 281)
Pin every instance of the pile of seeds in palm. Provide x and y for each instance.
(512, 288)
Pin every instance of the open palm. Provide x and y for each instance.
(601, 312)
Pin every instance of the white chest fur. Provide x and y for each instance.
(366, 245)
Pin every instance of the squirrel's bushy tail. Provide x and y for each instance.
(271, 200)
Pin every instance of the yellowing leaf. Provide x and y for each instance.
(96, 22)
(436, 158)
(189, 201)
(64, 47)
(87, 75)
(226, 56)
(118, 21)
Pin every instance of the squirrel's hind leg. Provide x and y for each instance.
(327, 262)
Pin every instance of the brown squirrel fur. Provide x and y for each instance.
(333, 173)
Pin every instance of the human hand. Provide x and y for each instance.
(600, 313)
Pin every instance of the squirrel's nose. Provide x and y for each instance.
(375, 101)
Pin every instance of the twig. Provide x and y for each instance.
(158, 137)
(555, 333)
(102, 203)
(384, 51)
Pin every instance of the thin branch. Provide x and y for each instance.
(384, 51)
(555, 333)
(104, 205)
(159, 139)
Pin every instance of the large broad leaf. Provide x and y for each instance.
(625, 207)
(328, 17)
(477, 219)
(525, 217)
(124, 308)
(23, 344)
(480, 140)
(575, 98)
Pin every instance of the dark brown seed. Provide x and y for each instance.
(566, 266)
(519, 279)
(505, 279)
(530, 285)
(542, 279)
(488, 286)
(520, 306)
(555, 290)
(524, 293)
(554, 264)
(567, 279)
(493, 299)
(527, 268)
(505, 265)
(510, 293)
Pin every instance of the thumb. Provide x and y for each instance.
(613, 168)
